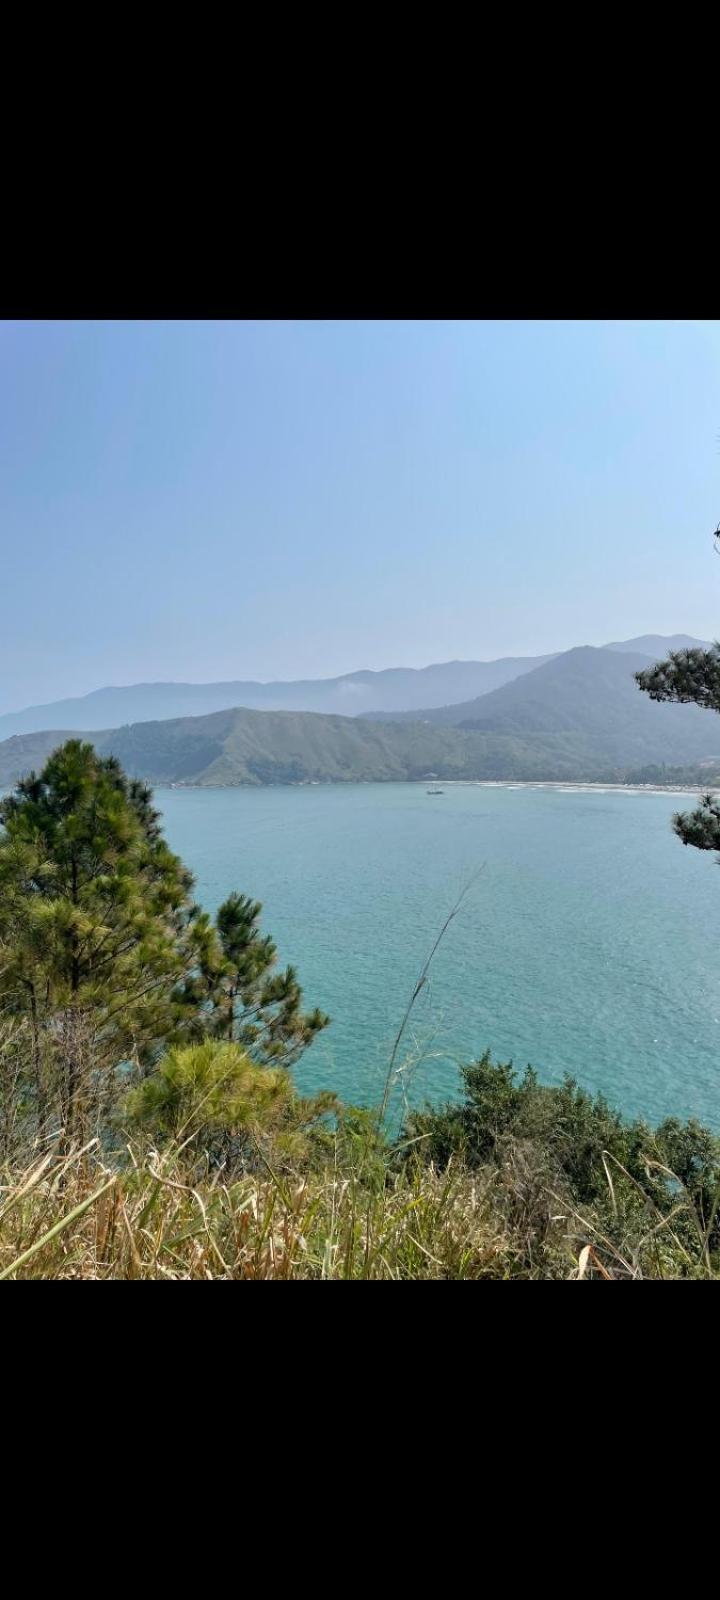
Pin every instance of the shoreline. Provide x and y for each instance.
(565, 785)
(571, 785)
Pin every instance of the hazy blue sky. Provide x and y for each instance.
(262, 500)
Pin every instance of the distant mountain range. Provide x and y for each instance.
(658, 645)
(404, 689)
(593, 693)
(578, 671)
(396, 689)
(577, 715)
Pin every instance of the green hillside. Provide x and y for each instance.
(579, 716)
(591, 695)
(260, 747)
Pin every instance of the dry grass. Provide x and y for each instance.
(80, 1218)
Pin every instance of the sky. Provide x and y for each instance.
(213, 500)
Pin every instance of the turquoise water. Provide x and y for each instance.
(588, 944)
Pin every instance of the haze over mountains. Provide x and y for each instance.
(395, 689)
(403, 689)
(576, 715)
(593, 693)
(579, 672)
(658, 645)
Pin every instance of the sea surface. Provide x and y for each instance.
(588, 940)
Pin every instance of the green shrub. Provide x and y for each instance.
(579, 1149)
(572, 1127)
(208, 1088)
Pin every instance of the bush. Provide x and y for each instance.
(572, 1127)
(207, 1089)
(579, 1151)
(228, 1109)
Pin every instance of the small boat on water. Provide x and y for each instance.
(434, 791)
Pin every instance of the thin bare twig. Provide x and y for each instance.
(419, 986)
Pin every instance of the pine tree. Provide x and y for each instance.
(96, 927)
(690, 677)
(240, 997)
(105, 957)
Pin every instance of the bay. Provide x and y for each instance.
(588, 943)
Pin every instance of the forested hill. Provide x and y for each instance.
(442, 692)
(592, 694)
(254, 747)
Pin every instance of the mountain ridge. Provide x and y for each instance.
(657, 644)
(365, 693)
(578, 716)
(350, 693)
(593, 692)
(470, 713)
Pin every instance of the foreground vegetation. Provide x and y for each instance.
(150, 1126)
(516, 1181)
